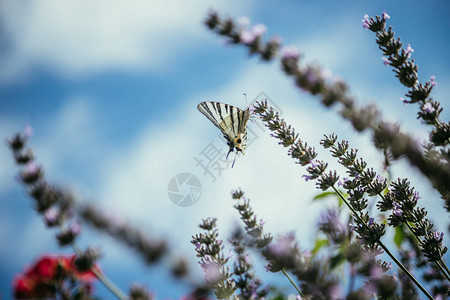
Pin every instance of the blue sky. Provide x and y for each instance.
(111, 90)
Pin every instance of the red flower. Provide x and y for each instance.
(45, 269)
(41, 279)
(24, 287)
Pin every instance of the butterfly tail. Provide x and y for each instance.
(229, 151)
(233, 161)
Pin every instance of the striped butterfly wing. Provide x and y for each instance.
(231, 120)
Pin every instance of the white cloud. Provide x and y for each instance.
(79, 37)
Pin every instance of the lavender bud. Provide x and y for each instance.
(139, 293)
(51, 216)
(86, 260)
(366, 21)
(31, 174)
(433, 82)
(67, 236)
(432, 246)
(23, 157)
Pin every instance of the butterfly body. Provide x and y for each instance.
(231, 121)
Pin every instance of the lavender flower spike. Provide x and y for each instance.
(366, 21)
(433, 81)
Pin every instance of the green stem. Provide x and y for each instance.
(445, 266)
(405, 270)
(401, 266)
(292, 282)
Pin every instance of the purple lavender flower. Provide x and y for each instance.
(385, 61)
(405, 102)
(290, 52)
(376, 272)
(31, 168)
(283, 245)
(416, 196)
(430, 272)
(67, 236)
(397, 209)
(438, 236)
(385, 16)
(311, 76)
(75, 228)
(247, 37)
(380, 179)
(433, 81)
(253, 288)
(366, 21)
(371, 221)
(247, 259)
(31, 173)
(258, 30)
(211, 269)
(326, 73)
(251, 109)
(313, 163)
(28, 131)
(262, 222)
(409, 50)
(351, 227)
(307, 177)
(428, 108)
(51, 216)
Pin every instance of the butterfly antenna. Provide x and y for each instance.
(245, 98)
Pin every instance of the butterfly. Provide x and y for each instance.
(231, 120)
